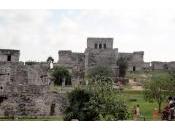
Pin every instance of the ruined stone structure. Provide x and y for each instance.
(99, 52)
(157, 65)
(9, 55)
(24, 88)
(135, 60)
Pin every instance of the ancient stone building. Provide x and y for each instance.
(157, 65)
(135, 60)
(99, 52)
(7, 55)
(24, 88)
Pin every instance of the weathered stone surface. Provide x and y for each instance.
(157, 65)
(135, 60)
(24, 90)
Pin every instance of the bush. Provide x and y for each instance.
(98, 101)
(77, 99)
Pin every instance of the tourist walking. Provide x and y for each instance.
(137, 112)
(134, 117)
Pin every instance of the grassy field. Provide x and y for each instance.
(136, 97)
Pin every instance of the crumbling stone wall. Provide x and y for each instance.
(135, 60)
(157, 65)
(99, 51)
(74, 62)
(99, 57)
(171, 65)
(24, 90)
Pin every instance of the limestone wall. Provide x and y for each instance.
(74, 62)
(156, 65)
(135, 60)
(24, 90)
(171, 65)
(99, 57)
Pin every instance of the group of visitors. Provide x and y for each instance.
(169, 111)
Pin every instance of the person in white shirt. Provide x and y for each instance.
(138, 111)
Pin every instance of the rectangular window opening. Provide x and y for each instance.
(9, 58)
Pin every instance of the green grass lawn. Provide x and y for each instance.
(136, 97)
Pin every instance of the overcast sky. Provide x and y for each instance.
(41, 33)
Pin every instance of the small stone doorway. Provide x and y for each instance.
(134, 68)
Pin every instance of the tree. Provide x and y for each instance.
(59, 74)
(99, 72)
(123, 65)
(50, 60)
(77, 100)
(158, 88)
(98, 101)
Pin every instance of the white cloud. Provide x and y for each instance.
(41, 33)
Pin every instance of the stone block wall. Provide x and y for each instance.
(24, 90)
(99, 57)
(135, 60)
(74, 62)
(156, 65)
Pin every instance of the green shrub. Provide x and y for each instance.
(97, 101)
(59, 73)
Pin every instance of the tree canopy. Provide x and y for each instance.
(97, 101)
(59, 74)
(99, 72)
(158, 88)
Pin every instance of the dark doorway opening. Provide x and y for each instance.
(9, 58)
(2, 98)
(134, 68)
(100, 46)
(52, 109)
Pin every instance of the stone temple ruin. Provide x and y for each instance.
(24, 87)
(99, 52)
